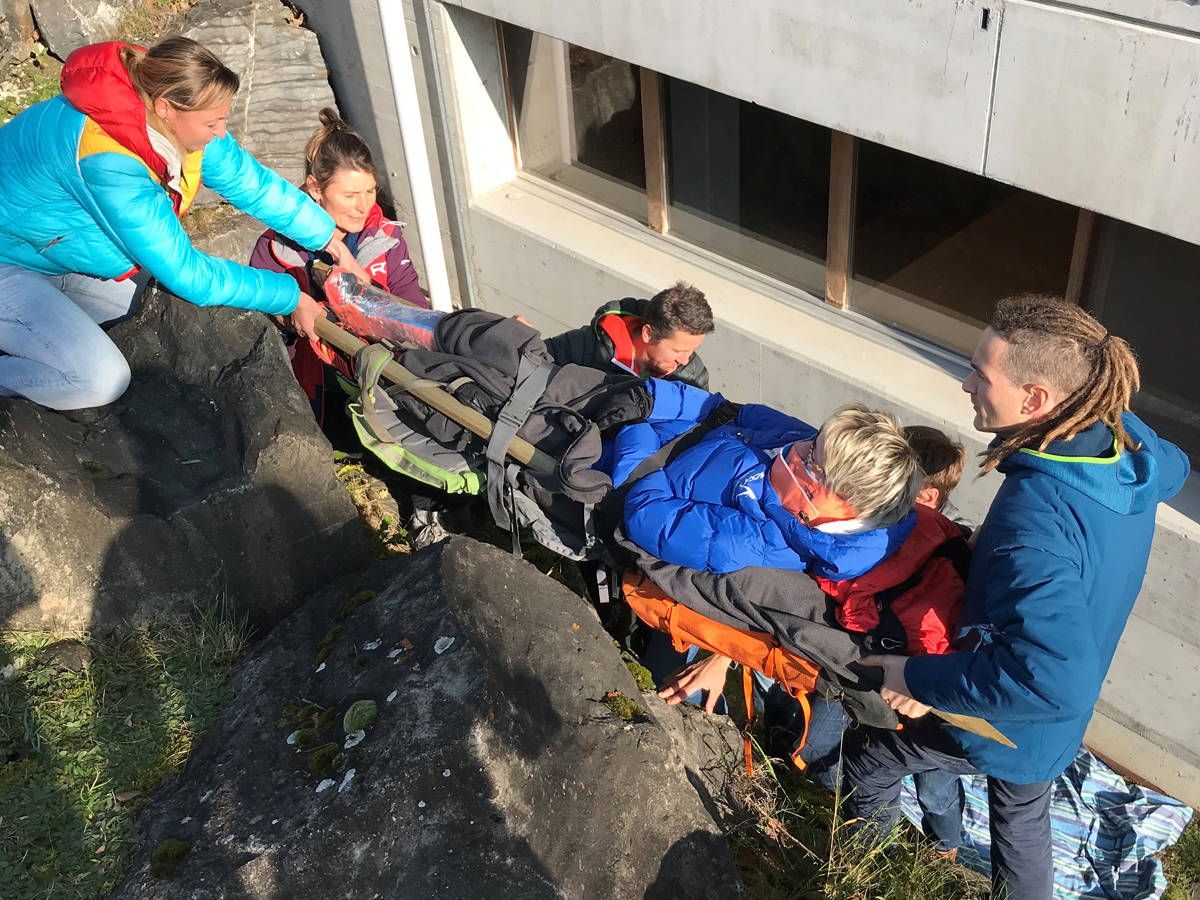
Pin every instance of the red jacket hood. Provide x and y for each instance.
(931, 531)
(96, 83)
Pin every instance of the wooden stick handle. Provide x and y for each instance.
(473, 420)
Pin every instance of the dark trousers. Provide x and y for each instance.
(939, 793)
(1019, 814)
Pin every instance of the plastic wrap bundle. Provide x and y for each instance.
(374, 315)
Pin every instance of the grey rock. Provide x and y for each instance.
(68, 655)
(209, 479)
(493, 769)
(67, 25)
(16, 31)
(284, 80)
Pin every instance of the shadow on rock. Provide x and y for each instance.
(435, 728)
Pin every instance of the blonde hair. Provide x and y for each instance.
(180, 71)
(870, 465)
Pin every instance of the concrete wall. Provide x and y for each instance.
(352, 43)
(917, 76)
(1086, 107)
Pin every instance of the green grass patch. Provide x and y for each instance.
(28, 82)
(1181, 864)
(81, 750)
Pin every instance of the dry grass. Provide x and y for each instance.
(150, 21)
(792, 843)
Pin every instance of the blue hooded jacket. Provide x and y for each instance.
(713, 508)
(73, 198)
(1057, 566)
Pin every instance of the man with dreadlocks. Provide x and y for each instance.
(1057, 566)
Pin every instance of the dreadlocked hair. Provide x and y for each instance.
(1059, 344)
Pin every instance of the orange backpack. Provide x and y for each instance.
(755, 650)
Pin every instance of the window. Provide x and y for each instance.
(578, 117)
(916, 244)
(1144, 286)
(748, 182)
(935, 247)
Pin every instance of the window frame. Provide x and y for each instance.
(839, 284)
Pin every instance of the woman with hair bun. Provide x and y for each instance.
(340, 176)
(95, 181)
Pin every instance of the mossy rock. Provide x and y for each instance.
(299, 716)
(305, 737)
(641, 675)
(352, 602)
(326, 645)
(287, 716)
(322, 760)
(325, 720)
(359, 716)
(167, 856)
(621, 706)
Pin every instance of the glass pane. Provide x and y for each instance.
(579, 118)
(1143, 287)
(748, 182)
(935, 247)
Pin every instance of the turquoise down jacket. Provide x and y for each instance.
(64, 209)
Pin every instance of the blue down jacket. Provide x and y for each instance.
(713, 508)
(1058, 563)
(74, 200)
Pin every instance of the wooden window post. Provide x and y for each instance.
(1079, 255)
(506, 88)
(840, 247)
(654, 149)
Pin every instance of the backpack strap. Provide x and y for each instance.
(889, 635)
(532, 379)
(369, 363)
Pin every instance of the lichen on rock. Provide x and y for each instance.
(359, 716)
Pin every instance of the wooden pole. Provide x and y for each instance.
(839, 251)
(473, 420)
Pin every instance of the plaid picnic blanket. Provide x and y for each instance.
(1105, 832)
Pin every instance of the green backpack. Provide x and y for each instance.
(382, 428)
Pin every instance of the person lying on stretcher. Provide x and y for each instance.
(768, 490)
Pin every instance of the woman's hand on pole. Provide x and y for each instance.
(344, 259)
(304, 317)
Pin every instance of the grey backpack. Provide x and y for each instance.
(516, 498)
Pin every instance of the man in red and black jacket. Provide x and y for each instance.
(655, 338)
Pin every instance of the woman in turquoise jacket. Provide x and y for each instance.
(94, 181)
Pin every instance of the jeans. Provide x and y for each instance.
(939, 793)
(1019, 814)
(55, 351)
